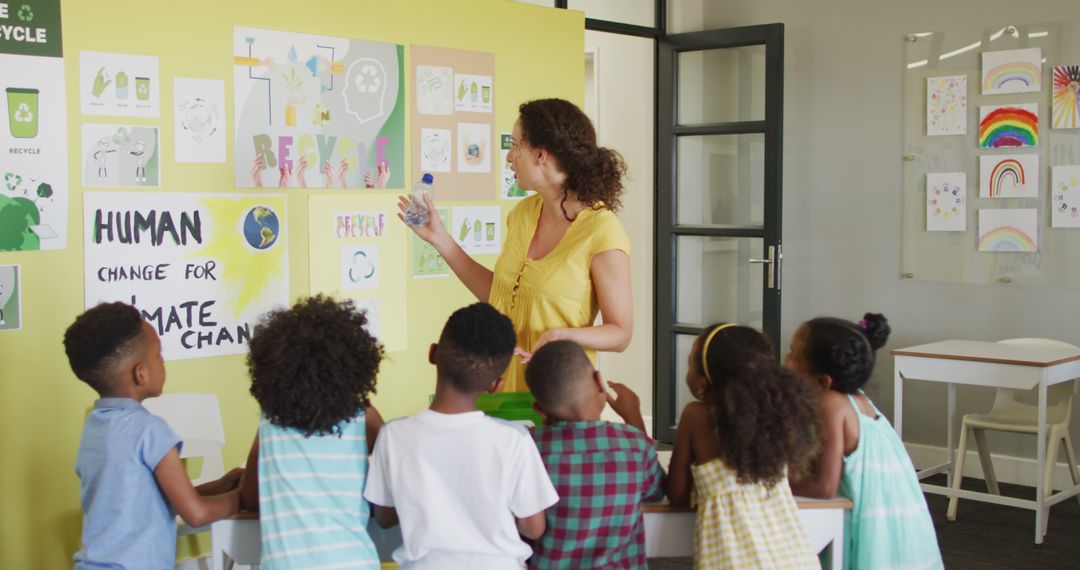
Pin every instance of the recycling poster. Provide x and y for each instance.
(33, 127)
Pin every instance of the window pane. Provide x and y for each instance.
(716, 282)
(721, 180)
(721, 85)
(684, 343)
(636, 12)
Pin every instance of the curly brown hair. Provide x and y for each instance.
(314, 365)
(594, 173)
(765, 417)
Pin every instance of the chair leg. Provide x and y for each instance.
(1051, 462)
(1070, 454)
(984, 459)
(958, 472)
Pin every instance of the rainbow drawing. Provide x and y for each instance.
(1008, 126)
(1007, 170)
(1012, 71)
(1008, 230)
(1066, 113)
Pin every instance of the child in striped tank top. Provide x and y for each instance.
(313, 370)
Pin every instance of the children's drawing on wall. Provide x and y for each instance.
(946, 105)
(10, 298)
(359, 267)
(33, 143)
(359, 224)
(473, 93)
(1008, 230)
(435, 150)
(477, 229)
(426, 261)
(473, 147)
(508, 187)
(434, 90)
(317, 111)
(1065, 197)
(1012, 71)
(202, 268)
(946, 206)
(117, 84)
(199, 120)
(1009, 176)
(1008, 125)
(120, 155)
(1066, 99)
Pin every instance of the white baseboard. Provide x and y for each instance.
(1007, 468)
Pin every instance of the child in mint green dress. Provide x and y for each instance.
(861, 456)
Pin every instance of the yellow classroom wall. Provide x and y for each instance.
(538, 53)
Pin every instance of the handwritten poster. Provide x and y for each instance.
(317, 111)
(201, 268)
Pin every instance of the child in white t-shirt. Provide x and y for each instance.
(465, 487)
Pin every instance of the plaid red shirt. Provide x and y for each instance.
(602, 472)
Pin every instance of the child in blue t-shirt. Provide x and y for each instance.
(130, 474)
(313, 369)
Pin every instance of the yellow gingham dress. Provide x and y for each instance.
(746, 526)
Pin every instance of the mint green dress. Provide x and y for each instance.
(889, 526)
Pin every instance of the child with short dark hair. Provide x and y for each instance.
(602, 471)
(464, 485)
(751, 425)
(313, 369)
(130, 474)
(861, 455)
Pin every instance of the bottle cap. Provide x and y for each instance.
(428, 178)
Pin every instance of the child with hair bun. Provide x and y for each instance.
(860, 455)
(752, 424)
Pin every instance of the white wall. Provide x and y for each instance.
(842, 182)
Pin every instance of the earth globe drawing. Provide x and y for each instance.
(261, 227)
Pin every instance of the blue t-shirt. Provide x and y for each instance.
(127, 521)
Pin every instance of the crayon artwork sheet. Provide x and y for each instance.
(1065, 197)
(1012, 71)
(946, 204)
(946, 105)
(1003, 126)
(1014, 230)
(1009, 176)
(1066, 97)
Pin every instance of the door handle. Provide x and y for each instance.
(773, 261)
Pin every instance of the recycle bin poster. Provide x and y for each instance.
(202, 268)
(33, 128)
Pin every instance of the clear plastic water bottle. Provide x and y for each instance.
(417, 213)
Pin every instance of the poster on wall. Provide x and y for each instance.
(1012, 71)
(1009, 176)
(1066, 98)
(317, 111)
(477, 229)
(357, 251)
(198, 120)
(508, 187)
(120, 155)
(426, 260)
(1065, 197)
(1002, 126)
(201, 268)
(119, 85)
(454, 109)
(1008, 230)
(946, 207)
(33, 128)
(10, 298)
(946, 105)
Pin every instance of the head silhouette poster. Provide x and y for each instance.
(317, 111)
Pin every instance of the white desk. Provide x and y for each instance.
(995, 365)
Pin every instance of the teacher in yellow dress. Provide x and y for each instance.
(566, 258)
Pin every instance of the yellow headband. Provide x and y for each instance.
(705, 348)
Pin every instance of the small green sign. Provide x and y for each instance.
(31, 27)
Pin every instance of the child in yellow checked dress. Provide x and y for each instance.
(752, 423)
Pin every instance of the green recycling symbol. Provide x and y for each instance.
(12, 181)
(23, 114)
(25, 13)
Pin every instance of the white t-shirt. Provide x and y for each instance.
(458, 481)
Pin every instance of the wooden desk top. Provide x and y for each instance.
(992, 352)
(803, 502)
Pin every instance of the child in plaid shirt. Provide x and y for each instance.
(602, 471)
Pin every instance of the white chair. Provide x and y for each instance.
(236, 540)
(196, 418)
(1012, 415)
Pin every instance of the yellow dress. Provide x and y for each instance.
(555, 291)
(746, 525)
